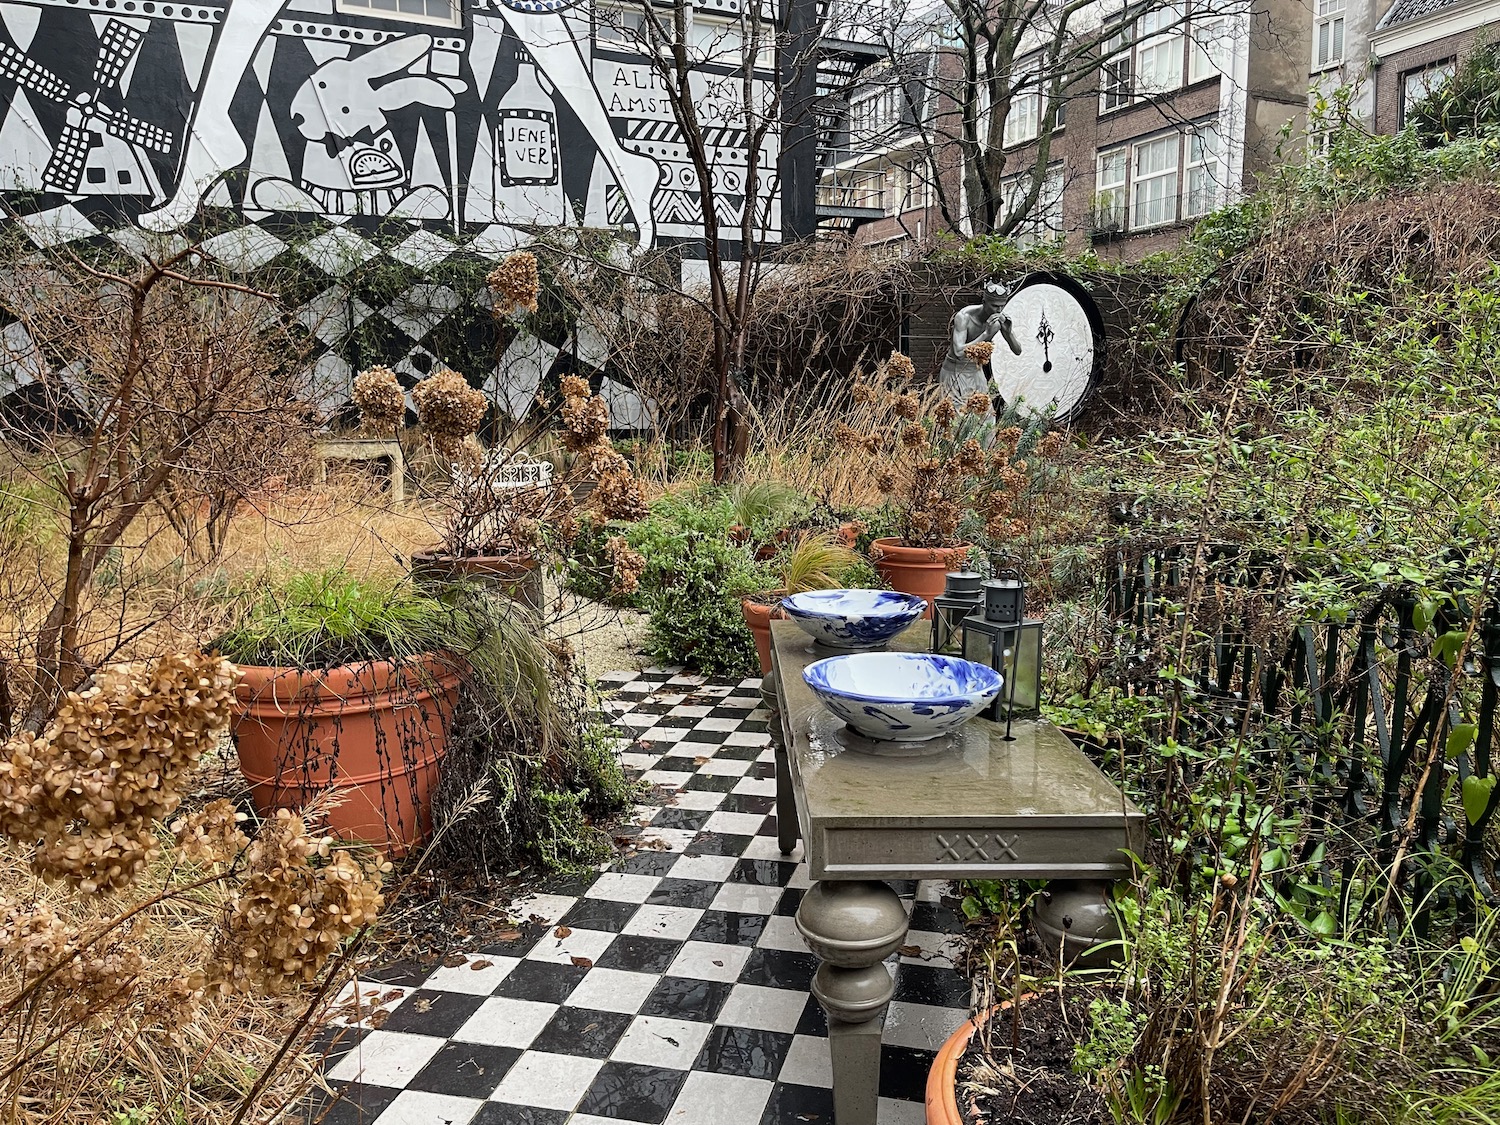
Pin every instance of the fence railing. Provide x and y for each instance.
(1370, 735)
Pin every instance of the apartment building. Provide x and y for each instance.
(1415, 47)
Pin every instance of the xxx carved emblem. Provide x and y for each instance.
(965, 847)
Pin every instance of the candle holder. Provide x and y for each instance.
(962, 595)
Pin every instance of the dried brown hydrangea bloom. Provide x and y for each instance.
(863, 393)
(885, 480)
(212, 834)
(907, 406)
(913, 436)
(980, 352)
(517, 282)
(1006, 441)
(627, 564)
(846, 437)
(585, 419)
(945, 413)
(970, 456)
(977, 404)
(379, 398)
(901, 367)
(1051, 445)
(447, 406)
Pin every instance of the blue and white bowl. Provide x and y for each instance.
(853, 619)
(902, 696)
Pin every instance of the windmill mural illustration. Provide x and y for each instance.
(100, 150)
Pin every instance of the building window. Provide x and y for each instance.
(1209, 52)
(874, 113)
(1114, 76)
(1109, 201)
(1418, 85)
(1153, 188)
(1328, 35)
(411, 11)
(1025, 116)
(1202, 171)
(1044, 222)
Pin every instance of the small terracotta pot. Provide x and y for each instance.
(518, 577)
(942, 1079)
(847, 535)
(916, 570)
(372, 735)
(758, 616)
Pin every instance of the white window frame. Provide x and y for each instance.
(1207, 51)
(1164, 204)
(1117, 73)
(1329, 33)
(1202, 189)
(1110, 192)
(1024, 121)
(356, 8)
(616, 24)
(1433, 76)
(1045, 223)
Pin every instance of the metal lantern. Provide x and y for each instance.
(1002, 637)
(1005, 599)
(961, 596)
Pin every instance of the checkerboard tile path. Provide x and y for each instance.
(671, 987)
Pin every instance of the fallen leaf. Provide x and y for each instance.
(583, 962)
(720, 964)
(477, 965)
(423, 1005)
(453, 960)
(700, 761)
(562, 932)
(510, 933)
(910, 951)
(377, 1019)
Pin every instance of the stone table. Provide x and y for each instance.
(970, 805)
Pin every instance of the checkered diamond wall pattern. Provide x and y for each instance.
(670, 987)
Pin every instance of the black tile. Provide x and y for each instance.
(632, 1091)
(737, 753)
(676, 763)
(706, 737)
(432, 1012)
(936, 917)
(352, 1103)
(331, 1044)
(516, 942)
(727, 928)
(499, 1113)
(814, 1020)
(468, 1070)
(639, 954)
(687, 998)
(906, 888)
(653, 707)
(765, 771)
(779, 968)
(691, 819)
(408, 974)
(712, 782)
(755, 726)
(763, 872)
(769, 827)
(791, 898)
(648, 862)
(798, 1105)
(683, 892)
(930, 984)
(748, 803)
(599, 914)
(745, 1051)
(718, 843)
(903, 1072)
(582, 1031)
(542, 980)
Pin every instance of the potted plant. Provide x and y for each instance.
(816, 561)
(349, 688)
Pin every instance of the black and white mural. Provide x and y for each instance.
(501, 115)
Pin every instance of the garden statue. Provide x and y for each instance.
(961, 375)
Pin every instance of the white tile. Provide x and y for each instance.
(699, 800)
(589, 944)
(503, 1022)
(747, 738)
(547, 907)
(636, 719)
(708, 868)
(781, 933)
(418, 1107)
(933, 890)
(664, 736)
(547, 1081)
(613, 990)
(769, 1009)
(755, 787)
(937, 949)
(724, 1099)
(643, 815)
(767, 755)
(922, 1026)
(807, 1063)
(667, 779)
(675, 922)
(387, 1058)
(766, 847)
(690, 711)
(801, 879)
(357, 1001)
(889, 1111)
(479, 975)
(707, 960)
(659, 1041)
(746, 898)
(617, 886)
(666, 839)
(735, 823)
(688, 679)
(726, 767)
(635, 760)
(718, 724)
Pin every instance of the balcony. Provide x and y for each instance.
(852, 195)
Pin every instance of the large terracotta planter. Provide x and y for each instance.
(759, 616)
(365, 740)
(942, 1079)
(916, 570)
(518, 577)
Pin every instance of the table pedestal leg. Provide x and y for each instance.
(786, 803)
(853, 927)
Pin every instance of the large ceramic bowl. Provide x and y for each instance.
(853, 619)
(902, 696)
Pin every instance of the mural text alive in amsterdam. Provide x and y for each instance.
(507, 114)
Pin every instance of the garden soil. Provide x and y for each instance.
(1034, 1085)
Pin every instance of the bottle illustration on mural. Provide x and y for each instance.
(528, 185)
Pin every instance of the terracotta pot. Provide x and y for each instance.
(758, 616)
(518, 577)
(847, 535)
(916, 570)
(942, 1079)
(372, 735)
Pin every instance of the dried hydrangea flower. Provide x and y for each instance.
(901, 367)
(980, 352)
(977, 404)
(447, 406)
(379, 398)
(518, 283)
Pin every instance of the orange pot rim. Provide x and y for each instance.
(892, 548)
(275, 685)
(942, 1079)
